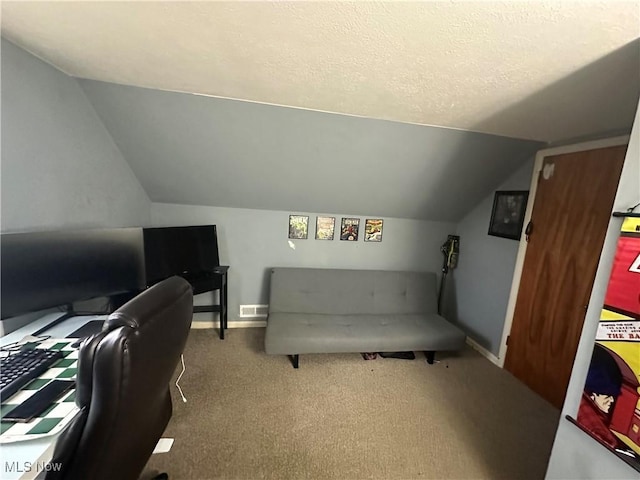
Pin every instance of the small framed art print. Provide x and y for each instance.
(298, 226)
(507, 215)
(349, 229)
(373, 230)
(325, 227)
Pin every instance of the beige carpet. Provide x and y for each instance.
(252, 416)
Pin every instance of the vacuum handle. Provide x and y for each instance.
(450, 250)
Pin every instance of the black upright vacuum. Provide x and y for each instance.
(450, 250)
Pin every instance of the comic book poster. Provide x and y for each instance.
(325, 228)
(349, 229)
(373, 230)
(298, 225)
(610, 405)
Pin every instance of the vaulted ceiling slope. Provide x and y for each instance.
(543, 70)
(193, 94)
(200, 150)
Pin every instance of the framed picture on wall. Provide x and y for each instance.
(325, 227)
(373, 230)
(349, 229)
(298, 226)
(507, 215)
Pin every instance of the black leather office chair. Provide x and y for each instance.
(122, 387)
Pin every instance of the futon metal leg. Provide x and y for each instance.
(430, 357)
(294, 360)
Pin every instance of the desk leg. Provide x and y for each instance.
(223, 306)
(224, 302)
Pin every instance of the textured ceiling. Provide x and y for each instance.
(547, 71)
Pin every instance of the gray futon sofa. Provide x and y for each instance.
(315, 310)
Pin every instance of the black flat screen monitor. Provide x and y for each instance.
(190, 252)
(42, 270)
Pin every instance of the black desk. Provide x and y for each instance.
(218, 282)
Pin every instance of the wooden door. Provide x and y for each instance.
(569, 220)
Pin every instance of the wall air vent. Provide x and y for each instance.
(253, 311)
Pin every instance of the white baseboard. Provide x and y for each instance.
(484, 352)
(197, 325)
(247, 324)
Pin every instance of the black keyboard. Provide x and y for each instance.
(21, 367)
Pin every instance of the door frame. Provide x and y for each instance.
(522, 247)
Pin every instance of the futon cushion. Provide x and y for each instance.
(298, 333)
(335, 291)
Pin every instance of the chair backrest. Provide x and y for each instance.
(122, 386)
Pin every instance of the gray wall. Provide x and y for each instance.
(60, 167)
(574, 454)
(198, 150)
(252, 241)
(485, 269)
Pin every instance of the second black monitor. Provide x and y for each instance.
(189, 252)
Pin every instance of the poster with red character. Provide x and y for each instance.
(610, 405)
(349, 229)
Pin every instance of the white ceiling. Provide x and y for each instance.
(543, 70)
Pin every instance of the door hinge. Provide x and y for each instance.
(508, 337)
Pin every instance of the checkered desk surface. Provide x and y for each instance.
(57, 416)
